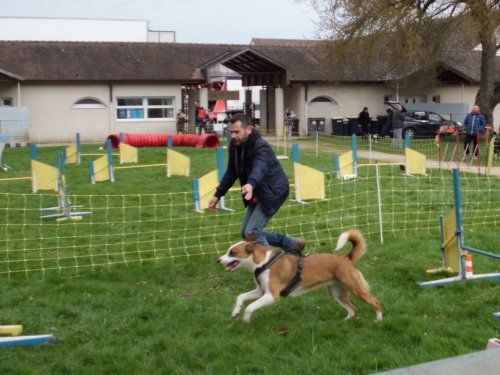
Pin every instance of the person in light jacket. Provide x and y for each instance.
(474, 125)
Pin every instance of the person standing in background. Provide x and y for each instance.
(398, 117)
(474, 125)
(365, 122)
(388, 123)
(202, 120)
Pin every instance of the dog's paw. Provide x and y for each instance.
(235, 313)
(246, 317)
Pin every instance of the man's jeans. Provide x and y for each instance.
(255, 221)
(397, 140)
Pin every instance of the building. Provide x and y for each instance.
(80, 30)
(102, 88)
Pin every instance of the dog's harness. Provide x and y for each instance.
(293, 283)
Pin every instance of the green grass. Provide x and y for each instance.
(160, 303)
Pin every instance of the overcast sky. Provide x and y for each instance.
(194, 21)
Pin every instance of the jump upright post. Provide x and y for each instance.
(65, 208)
(102, 169)
(73, 153)
(457, 241)
(346, 165)
(205, 186)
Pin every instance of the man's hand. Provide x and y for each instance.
(212, 205)
(247, 191)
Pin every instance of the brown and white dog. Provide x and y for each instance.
(337, 273)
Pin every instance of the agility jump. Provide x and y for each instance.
(43, 176)
(415, 163)
(15, 340)
(456, 254)
(205, 186)
(309, 182)
(65, 208)
(103, 169)
(177, 164)
(73, 153)
(346, 165)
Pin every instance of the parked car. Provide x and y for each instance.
(419, 123)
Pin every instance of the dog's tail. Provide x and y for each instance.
(358, 244)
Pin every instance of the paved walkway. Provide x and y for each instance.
(391, 158)
(486, 362)
(394, 158)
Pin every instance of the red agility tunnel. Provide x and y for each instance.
(161, 140)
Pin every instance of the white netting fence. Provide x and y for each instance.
(164, 227)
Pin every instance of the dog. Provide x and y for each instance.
(276, 272)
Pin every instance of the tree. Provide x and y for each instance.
(408, 40)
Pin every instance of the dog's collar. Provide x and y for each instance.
(266, 265)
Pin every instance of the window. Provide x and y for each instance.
(436, 98)
(323, 100)
(434, 117)
(6, 102)
(88, 102)
(155, 108)
(419, 115)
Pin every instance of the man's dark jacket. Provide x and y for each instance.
(364, 118)
(255, 163)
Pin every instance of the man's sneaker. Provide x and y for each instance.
(297, 244)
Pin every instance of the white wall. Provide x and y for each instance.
(72, 29)
(55, 120)
(464, 94)
(352, 98)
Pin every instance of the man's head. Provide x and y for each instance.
(476, 110)
(240, 126)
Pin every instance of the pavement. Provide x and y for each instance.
(466, 166)
(486, 362)
(430, 163)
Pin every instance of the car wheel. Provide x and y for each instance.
(410, 132)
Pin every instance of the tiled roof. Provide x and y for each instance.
(179, 62)
(283, 42)
(90, 61)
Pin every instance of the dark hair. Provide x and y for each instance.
(244, 119)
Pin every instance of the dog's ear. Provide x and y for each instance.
(251, 246)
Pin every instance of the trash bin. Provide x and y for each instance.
(345, 127)
(315, 125)
(353, 126)
(295, 126)
(337, 126)
(375, 128)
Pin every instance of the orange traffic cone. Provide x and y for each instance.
(469, 273)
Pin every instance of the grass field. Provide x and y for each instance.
(155, 301)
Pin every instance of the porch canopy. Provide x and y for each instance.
(254, 68)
